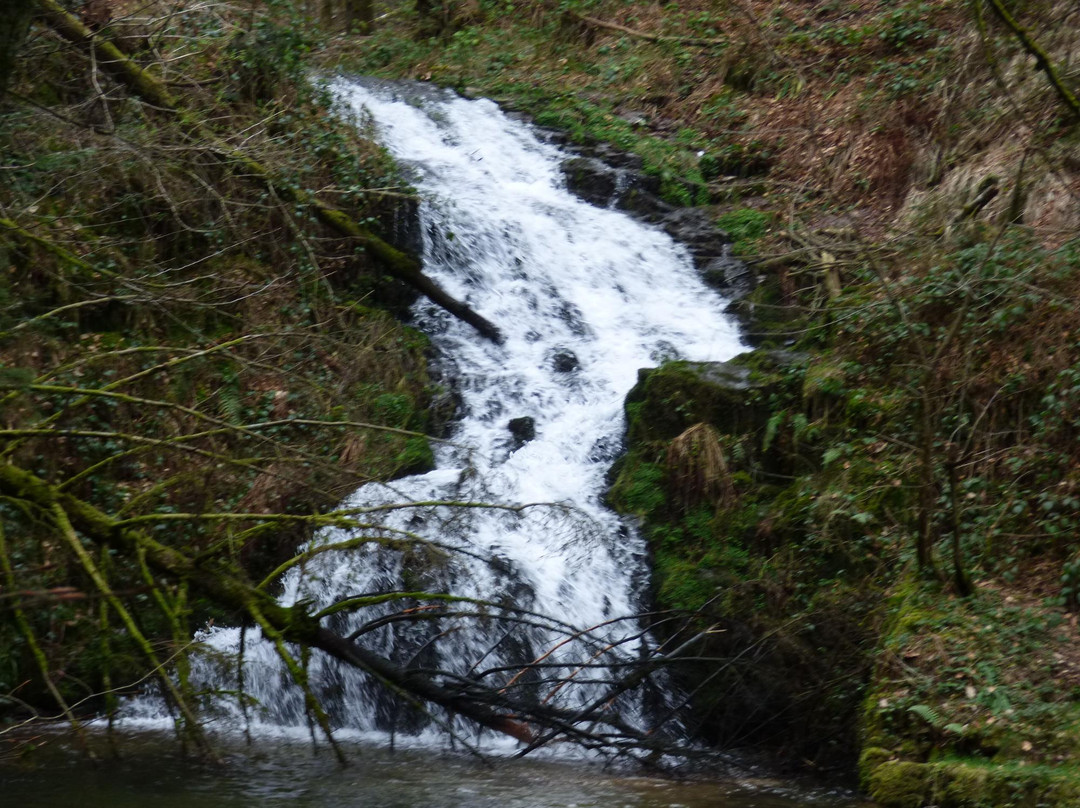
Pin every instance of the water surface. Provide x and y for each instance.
(282, 772)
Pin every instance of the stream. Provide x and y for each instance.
(584, 297)
(283, 773)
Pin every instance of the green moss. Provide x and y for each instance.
(731, 396)
(416, 457)
(898, 784)
(745, 226)
(970, 784)
(394, 409)
(975, 703)
(824, 378)
(639, 488)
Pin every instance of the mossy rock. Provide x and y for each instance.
(969, 784)
(736, 397)
(898, 784)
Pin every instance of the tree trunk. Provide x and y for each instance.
(924, 542)
(15, 15)
(359, 15)
(961, 579)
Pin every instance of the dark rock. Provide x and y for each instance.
(564, 361)
(729, 275)
(574, 319)
(664, 352)
(605, 450)
(555, 136)
(616, 158)
(733, 396)
(591, 180)
(640, 198)
(447, 405)
(608, 177)
(401, 224)
(695, 228)
(523, 429)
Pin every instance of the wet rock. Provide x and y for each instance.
(616, 158)
(733, 396)
(608, 177)
(664, 352)
(695, 228)
(606, 449)
(574, 319)
(446, 409)
(564, 361)
(558, 137)
(640, 197)
(591, 180)
(730, 276)
(523, 429)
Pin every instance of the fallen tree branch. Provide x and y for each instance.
(622, 29)
(399, 264)
(1042, 59)
(484, 705)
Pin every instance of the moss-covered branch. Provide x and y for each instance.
(399, 264)
(227, 587)
(1042, 59)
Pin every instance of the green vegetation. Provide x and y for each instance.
(876, 512)
(179, 340)
(897, 515)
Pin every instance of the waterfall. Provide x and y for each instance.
(584, 297)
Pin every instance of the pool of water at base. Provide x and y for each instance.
(287, 772)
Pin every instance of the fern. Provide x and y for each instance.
(929, 715)
(229, 400)
(771, 428)
(935, 720)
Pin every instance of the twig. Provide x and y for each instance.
(678, 40)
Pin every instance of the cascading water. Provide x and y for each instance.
(584, 297)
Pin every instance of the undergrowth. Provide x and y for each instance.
(175, 338)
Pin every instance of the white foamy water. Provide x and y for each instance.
(570, 286)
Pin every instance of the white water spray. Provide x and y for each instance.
(584, 297)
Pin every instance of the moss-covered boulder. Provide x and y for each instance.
(786, 654)
(998, 729)
(737, 397)
(970, 784)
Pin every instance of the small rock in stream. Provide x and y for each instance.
(523, 429)
(565, 361)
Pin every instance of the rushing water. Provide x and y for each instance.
(584, 298)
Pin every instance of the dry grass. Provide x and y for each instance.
(697, 471)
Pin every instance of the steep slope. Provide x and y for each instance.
(179, 337)
(890, 538)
